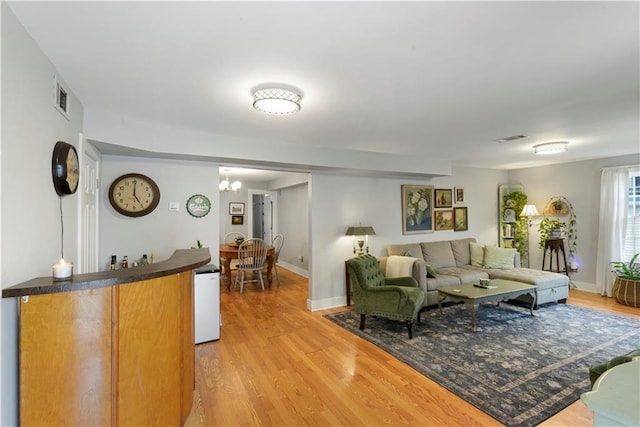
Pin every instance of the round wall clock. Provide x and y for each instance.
(134, 194)
(198, 205)
(64, 168)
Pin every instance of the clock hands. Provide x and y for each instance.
(134, 192)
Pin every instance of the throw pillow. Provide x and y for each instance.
(477, 254)
(431, 272)
(499, 258)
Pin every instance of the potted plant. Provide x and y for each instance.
(626, 288)
(549, 228)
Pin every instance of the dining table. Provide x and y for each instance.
(229, 251)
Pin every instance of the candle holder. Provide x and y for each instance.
(62, 270)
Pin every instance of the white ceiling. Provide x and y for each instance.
(416, 78)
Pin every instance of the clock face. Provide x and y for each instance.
(134, 195)
(65, 168)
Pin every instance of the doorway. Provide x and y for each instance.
(262, 215)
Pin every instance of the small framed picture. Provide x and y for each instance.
(443, 198)
(459, 194)
(237, 219)
(460, 222)
(236, 208)
(444, 219)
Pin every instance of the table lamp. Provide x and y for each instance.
(360, 237)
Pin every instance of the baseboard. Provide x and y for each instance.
(584, 286)
(291, 267)
(323, 304)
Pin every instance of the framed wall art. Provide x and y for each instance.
(417, 209)
(443, 198)
(444, 219)
(459, 194)
(460, 221)
(198, 205)
(236, 208)
(237, 219)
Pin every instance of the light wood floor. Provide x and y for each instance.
(279, 364)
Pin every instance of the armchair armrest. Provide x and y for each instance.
(407, 281)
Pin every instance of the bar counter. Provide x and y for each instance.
(111, 348)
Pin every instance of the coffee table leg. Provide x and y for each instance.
(473, 308)
(440, 299)
(534, 296)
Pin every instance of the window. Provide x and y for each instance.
(632, 226)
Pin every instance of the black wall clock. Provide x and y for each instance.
(134, 194)
(65, 168)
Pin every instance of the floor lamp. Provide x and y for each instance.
(529, 211)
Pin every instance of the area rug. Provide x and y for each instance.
(518, 369)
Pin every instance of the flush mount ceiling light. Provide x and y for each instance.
(276, 101)
(551, 147)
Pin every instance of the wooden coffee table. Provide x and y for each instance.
(473, 296)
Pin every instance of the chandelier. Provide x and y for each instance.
(226, 185)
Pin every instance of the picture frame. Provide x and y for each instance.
(443, 198)
(458, 194)
(237, 219)
(444, 219)
(198, 205)
(236, 208)
(417, 209)
(460, 219)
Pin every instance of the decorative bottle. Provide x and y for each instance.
(125, 262)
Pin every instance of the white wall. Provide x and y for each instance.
(579, 182)
(161, 232)
(293, 224)
(30, 207)
(338, 202)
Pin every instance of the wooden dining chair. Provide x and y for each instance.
(231, 238)
(277, 243)
(252, 255)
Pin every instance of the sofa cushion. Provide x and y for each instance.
(442, 280)
(476, 252)
(413, 249)
(438, 254)
(461, 253)
(542, 279)
(501, 258)
(466, 274)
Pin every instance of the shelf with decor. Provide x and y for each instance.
(512, 231)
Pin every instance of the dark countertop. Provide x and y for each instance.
(181, 260)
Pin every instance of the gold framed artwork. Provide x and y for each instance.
(236, 208)
(444, 219)
(443, 198)
(417, 209)
(460, 219)
(237, 220)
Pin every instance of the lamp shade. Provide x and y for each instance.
(529, 211)
(360, 231)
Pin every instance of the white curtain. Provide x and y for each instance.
(614, 187)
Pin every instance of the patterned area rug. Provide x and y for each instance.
(519, 369)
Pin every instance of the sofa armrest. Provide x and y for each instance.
(516, 260)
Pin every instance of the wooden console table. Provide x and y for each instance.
(555, 246)
(111, 348)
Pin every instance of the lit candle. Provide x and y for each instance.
(62, 270)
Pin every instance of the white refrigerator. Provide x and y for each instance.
(207, 303)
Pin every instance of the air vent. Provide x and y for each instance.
(60, 99)
(510, 138)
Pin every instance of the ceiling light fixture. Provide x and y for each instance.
(226, 185)
(551, 147)
(276, 101)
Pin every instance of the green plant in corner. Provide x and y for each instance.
(627, 270)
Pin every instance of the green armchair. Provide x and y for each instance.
(397, 298)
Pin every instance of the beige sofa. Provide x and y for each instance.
(452, 262)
